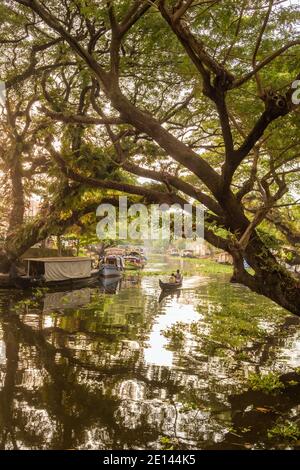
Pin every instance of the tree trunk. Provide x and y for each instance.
(58, 241)
(270, 279)
(17, 195)
(16, 217)
(48, 223)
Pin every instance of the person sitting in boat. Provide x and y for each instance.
(172, 278)
(178, 277)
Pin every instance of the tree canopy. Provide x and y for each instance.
(198, 97)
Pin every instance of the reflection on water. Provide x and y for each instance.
(179, 306)
(114, 368)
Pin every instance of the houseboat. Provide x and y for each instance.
(57, 271)
(134, 260)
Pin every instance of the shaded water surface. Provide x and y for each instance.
(118, 367)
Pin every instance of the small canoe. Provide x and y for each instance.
(169, 285)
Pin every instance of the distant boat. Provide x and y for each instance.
(224, 258)
(169, 285)
(188, 254)
(115, 251)
(174, 253)
(134, 260)
(111, 266)
(57, 272)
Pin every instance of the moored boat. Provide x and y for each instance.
(57, 272)
(111, 266)
(188, 254)
(133, 262)
(174, 253)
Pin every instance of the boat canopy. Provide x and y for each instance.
(115, 251)
(134, 254)
(114, 260)
(59, 269)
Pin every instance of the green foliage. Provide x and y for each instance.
(288, 431)
(166, 443)
(270, 240)
(157, 76)
(189, 406)
(267, 383)
(22, 305)
(229, 323)
(175, 334)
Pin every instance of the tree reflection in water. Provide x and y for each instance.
(77, 369)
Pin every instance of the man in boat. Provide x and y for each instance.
(178, 277)
(172, 278)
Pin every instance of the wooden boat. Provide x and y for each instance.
(111, 266)
(57, 272)
(169, 285)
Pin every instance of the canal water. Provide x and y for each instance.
(211, 366)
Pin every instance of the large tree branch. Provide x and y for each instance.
(56, 25)
(215, 240)
(272, 113)
(276, 106)
(177, 183)
(149, 194)
(238, 82)
(290, 233)
(194, 47)
(258, 43)
(32, 71)
(140, 119)
(138, 9)
(79, 119)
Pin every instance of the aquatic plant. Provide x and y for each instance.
(176, 334)
(287, 430)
